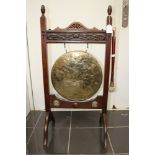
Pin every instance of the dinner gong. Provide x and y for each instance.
(76, 75)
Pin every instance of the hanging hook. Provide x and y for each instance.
(65, 47)
(87, 47)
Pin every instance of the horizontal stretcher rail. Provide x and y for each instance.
(75, 37)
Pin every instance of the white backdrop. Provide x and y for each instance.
(90, 13)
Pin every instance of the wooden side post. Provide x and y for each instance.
(44, 58)
(103, 116)
(107, 58)
(49, 115)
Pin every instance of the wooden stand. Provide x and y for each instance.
(75, 33)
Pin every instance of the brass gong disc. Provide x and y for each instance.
(76, 75)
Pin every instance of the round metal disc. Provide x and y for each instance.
(76, 75)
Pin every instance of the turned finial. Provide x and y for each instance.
(109, 10)
(42, 9)
(109, 19)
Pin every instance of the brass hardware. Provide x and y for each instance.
(75, 105)
(94, 104)
(56, 103)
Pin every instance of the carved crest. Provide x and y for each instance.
(76, 26)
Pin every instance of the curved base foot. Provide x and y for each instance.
(49, 117)
(105, 130)
(101, 120)
(103, 123)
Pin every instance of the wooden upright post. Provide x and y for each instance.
(49, 115)
(107, 58)
(44, 58)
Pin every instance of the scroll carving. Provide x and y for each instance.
(75, 37)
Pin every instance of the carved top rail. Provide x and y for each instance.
(76, 33)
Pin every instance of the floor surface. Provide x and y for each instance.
(78, 132)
